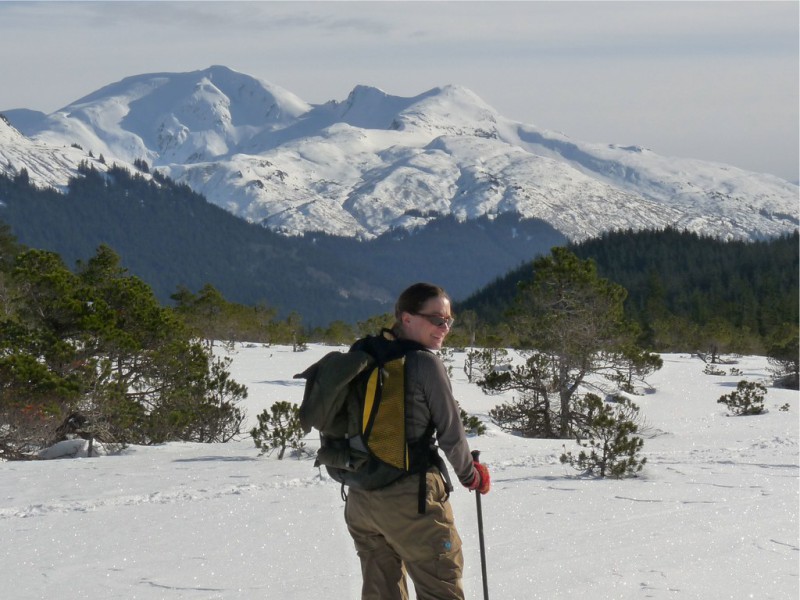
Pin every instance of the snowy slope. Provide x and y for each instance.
(47, 165)
(375, 161)
(714, 514)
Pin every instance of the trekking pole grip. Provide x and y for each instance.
(476, 455)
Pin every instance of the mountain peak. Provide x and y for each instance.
(366, 91)
(375, 161)
(369, 108)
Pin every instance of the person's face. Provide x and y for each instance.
(419, 328)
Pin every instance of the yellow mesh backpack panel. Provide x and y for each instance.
(383, 422)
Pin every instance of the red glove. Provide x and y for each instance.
(481, 482)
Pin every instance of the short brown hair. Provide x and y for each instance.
(414, 296)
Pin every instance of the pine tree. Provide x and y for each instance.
(607, 432)
(98, 342)
(278, 429)
(572, 323)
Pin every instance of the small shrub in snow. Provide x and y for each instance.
(748, 399)
(446, 356)
(607, 436)
(472, 424)
(485, 362)
(279, 428)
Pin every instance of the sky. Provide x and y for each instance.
(713, 514)
(711, 80)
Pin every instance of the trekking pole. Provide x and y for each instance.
(476, 456)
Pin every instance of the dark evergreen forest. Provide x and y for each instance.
(172, 237)
(684, 289)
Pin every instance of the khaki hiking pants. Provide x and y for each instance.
(393, 539)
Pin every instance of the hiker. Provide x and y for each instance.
(394, 532)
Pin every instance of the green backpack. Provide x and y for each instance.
(357, 401)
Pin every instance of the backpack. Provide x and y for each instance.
(357, 401)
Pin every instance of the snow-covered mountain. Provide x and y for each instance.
(374, 162)
(47, 165)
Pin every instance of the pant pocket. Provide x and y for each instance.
(450, 565)
(437, 490)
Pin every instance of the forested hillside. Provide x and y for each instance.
(172, 237)
(684, 289)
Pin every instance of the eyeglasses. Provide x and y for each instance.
(436, 320)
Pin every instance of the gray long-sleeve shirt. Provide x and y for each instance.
(428, 387)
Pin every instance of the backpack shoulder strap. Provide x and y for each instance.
(385, 346)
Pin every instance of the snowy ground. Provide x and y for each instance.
(714, 514)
